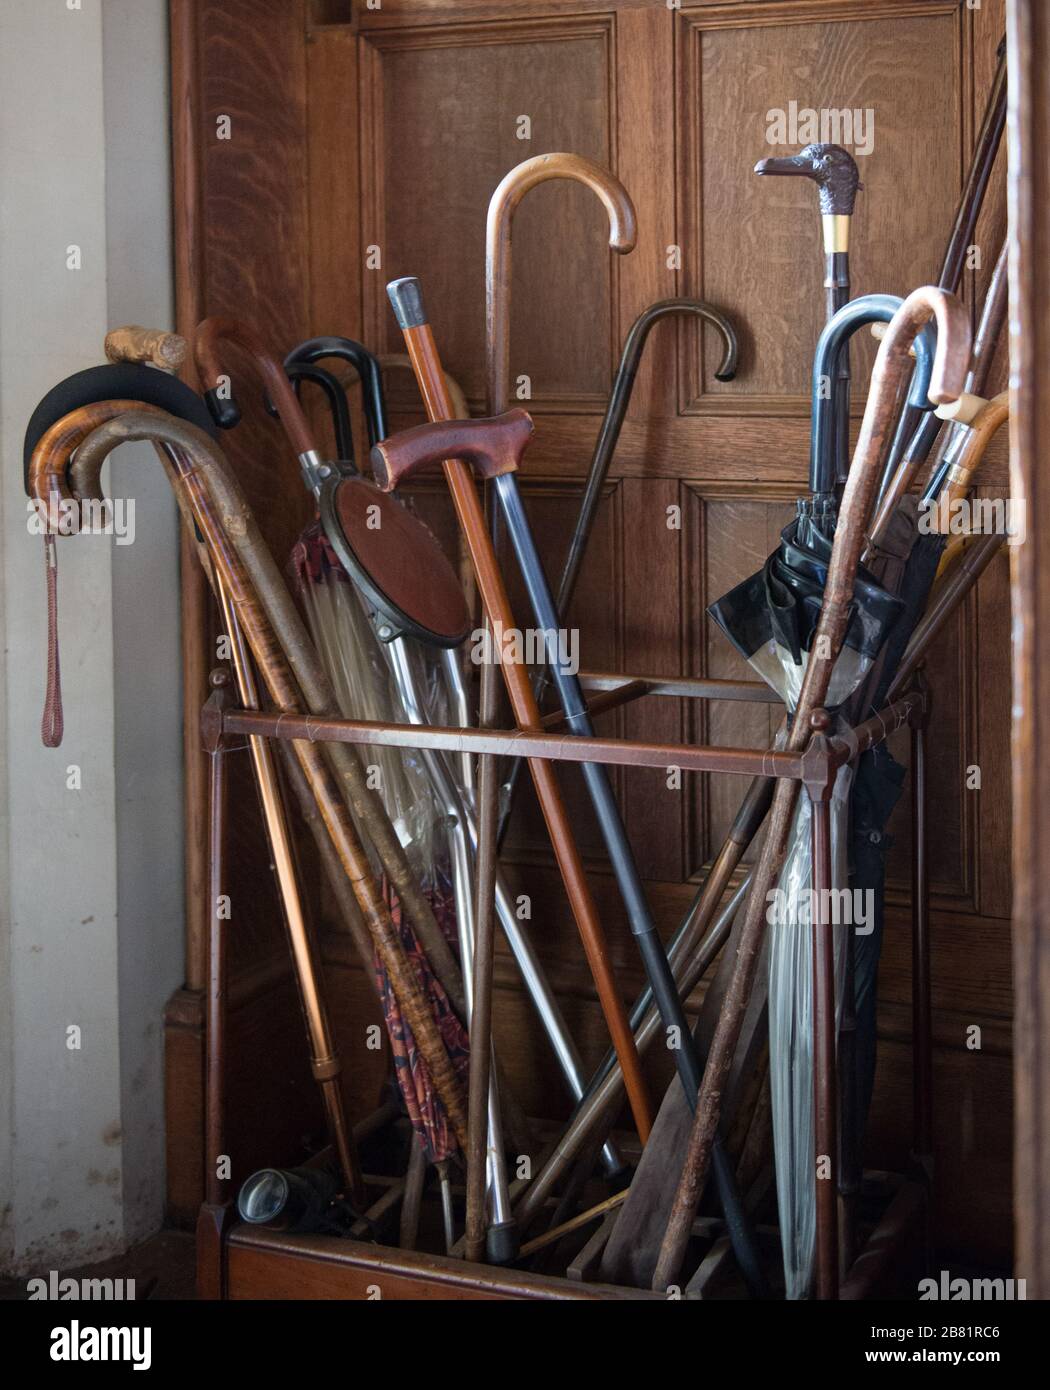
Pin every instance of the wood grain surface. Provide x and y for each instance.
(354, 128)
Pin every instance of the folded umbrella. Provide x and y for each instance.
(772, 619)
(772, 616)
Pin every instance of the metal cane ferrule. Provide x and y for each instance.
(315, 470)
(836, 232)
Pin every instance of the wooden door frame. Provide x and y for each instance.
(1029, 208)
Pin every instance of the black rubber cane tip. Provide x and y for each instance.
(224, 410)
(502, 1243)
(406, 296)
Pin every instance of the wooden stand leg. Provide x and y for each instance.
(922, 1030)
(216, 1214)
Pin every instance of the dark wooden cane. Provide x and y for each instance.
(825, 1084)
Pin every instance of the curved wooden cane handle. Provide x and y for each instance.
(50, 458)
(224, 409)
(149, 346)
(623, 232)
(491, 446)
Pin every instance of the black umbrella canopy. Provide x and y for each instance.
(771, 617)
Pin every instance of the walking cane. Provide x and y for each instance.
(457, 798)
(622, 235)
(985, 341)
(971, 200)
(834, 171)
(498, 235)
(756, 803)
(490, 582)
(372, 535)
(169, 351)
(317, 689)
(408, 452)
(502, 204)
(891, 364)
(601, 459)
(47, 481)
(281, 647)
(344, 503)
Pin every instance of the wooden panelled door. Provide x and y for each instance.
(366, 140)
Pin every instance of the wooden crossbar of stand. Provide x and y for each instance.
(237, 1261)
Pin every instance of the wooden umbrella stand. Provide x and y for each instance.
(236, 1261)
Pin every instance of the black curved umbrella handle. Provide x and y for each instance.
(363, 362)
(616, 411)
(116, 381)
(298, 372)
(831, 348)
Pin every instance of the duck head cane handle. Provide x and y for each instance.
(623, 233)
(891, 365)
(834, 171)
(224, 408)
(491, 447)
(831, 168)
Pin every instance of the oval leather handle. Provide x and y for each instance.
(147, 345)
(491, 446)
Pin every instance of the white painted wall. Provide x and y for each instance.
(147, 672)
(90, 903)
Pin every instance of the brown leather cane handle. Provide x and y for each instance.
(832, 169)
(151, 346)
(491, 446)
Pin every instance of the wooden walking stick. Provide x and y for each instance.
(48, 482)
(891, 364)
(316, 686)
(256, 594)
(499, 222)
(420, 342)
(985, 342)
(911, 450)
(617, 202)
(401, 571)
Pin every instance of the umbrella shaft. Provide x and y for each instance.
(654, 958)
